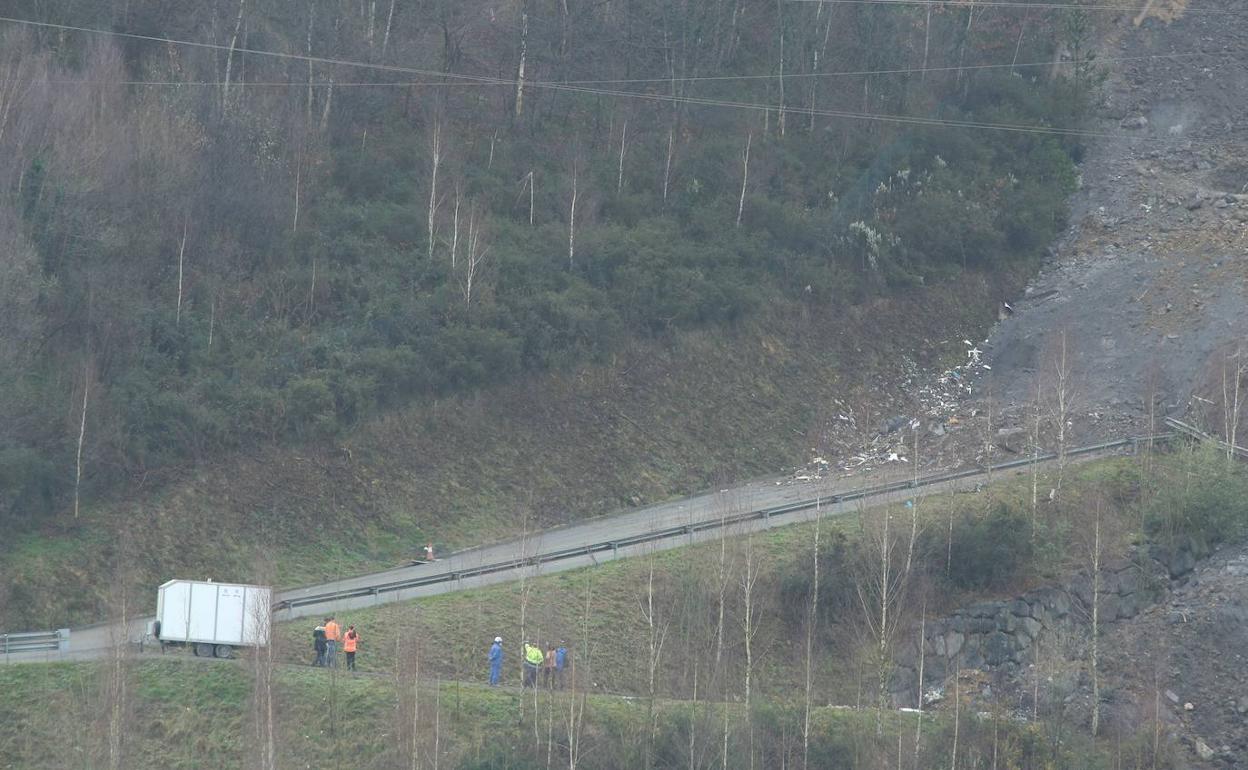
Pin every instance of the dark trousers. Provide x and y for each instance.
(350, 661)
(530, 675)
(548, 677)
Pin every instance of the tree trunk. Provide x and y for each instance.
(82, 434)
(745, 177)
(181, 253)
(229, 57)
(524, 52)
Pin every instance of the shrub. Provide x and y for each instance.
(1203, 496)
(989, 550)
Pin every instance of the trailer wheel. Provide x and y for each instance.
(224, 651)
(203, 649)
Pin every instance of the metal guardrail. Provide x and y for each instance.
(34, 641)
(1196, 433)
(689, 529)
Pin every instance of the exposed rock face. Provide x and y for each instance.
(1001, 634)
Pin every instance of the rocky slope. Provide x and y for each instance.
(1149, 286)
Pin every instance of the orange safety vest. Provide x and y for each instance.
(349, 641)
(331, 631)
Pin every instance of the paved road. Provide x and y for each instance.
(95, 641)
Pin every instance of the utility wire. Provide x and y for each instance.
(1013, 4)
(569, 87)
(635, 81)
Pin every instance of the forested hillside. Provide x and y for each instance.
(247, 221)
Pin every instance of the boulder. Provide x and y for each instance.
(1203, 751)
(1013, 440)
(998, 648)
(953, 643)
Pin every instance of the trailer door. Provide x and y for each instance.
(230, 616)
(203, 612)
(174, 610)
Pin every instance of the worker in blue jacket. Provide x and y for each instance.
(561, 661)
(496, 661)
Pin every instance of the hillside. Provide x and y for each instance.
(314, 296)
(355, 721)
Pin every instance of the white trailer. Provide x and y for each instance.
(213, 618)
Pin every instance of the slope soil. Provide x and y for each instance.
(1150, 283)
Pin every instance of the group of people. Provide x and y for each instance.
(325, 638)
(552, 664)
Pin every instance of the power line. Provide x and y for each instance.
(1012, 4)
(573, 88)
(632, 81)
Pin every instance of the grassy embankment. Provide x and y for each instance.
(183, 714)
(602, 612)
(662, 420)
(188, 713)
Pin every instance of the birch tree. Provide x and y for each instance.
(82, 435)
(656, 635)
(812, 619)
(435, 158)
(745, 176)
(524, 53)
(572, 220)
(1062, 398)
(229, 57)
(749, 627)
(1234, 367)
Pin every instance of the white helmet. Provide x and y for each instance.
(498, 638)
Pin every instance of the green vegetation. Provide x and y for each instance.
(1201, 495)
(267, 255)
(183, 714)
(599, 611)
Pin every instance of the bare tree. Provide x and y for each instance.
(1234, 367)
(667, 165)
(1035, 458)
(1062, 395)
(812, 619)
(619, 179)
(181, 252)
(229, 58)
(263, 665)
(1096, 619)
(745, 176)
(82, 435)
(524, 52)
(918, 724)
(879, 587)
(656, 633)
(572, 219)
(749, 626)
(385, 38)
(435, 158)
(455, 226)
(723, 576)
(475, 252)
(957, 709)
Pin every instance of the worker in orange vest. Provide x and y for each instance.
(349, 642)
(332, 633)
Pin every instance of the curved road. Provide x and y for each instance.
(445, 575)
